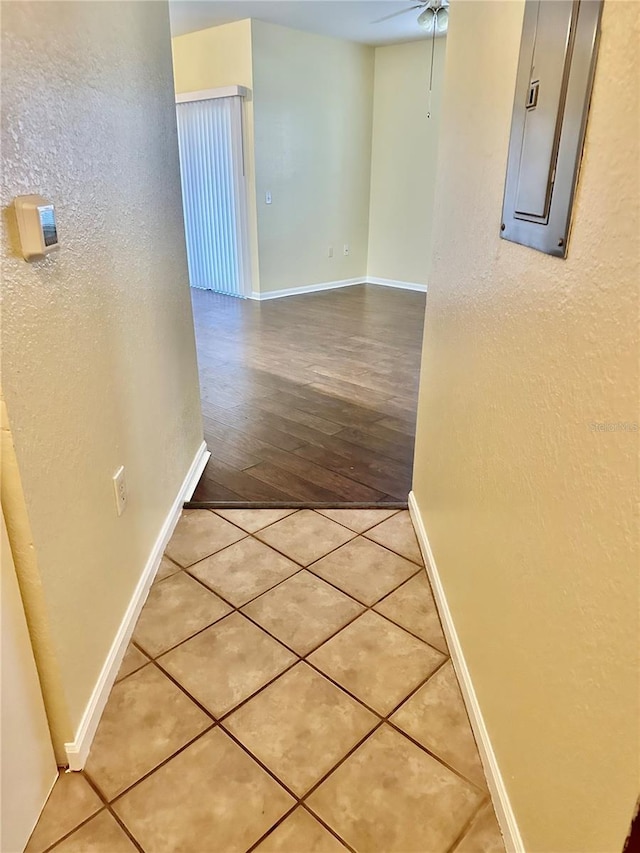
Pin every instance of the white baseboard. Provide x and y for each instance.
(333, 285)
(78, 750)
(308, 288)
(499, 795)
(400, 285)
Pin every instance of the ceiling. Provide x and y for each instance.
(346, 19)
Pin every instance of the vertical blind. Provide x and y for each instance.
(210, 143)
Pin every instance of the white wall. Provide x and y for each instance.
(532, 514)
(98, 350)
(313, 119)
(404, 160)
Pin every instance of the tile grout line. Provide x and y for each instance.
(430, 752)
(387, 718)
(219, 721)
(259, 762)
(158, 766)
(467, 826)
(300, 800)
(322, 512)
(355, 535)
(330, 829)
(184, 690)
(274, 826)
(219, 512)
(223, 717)
(299, 659)
(308, 567)
(104, 807)
(302, 567)
(126, 830)
(120, 822)
(366, 608)
(239, 608)
(240, 611)
(382, 719)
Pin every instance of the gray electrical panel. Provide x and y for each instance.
(553, 88)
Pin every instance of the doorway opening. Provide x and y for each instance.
(212, 171)
(309, 383)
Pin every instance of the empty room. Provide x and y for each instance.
(308, 261)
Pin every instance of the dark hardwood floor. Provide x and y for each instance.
(310, 398)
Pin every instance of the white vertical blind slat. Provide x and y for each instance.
(210, 169)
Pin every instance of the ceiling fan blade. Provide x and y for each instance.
(400, 12)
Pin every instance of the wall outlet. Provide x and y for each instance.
(346, 249)
(330, 252)
(120, 490)
(267, 197)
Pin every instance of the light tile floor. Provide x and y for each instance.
(288, 688)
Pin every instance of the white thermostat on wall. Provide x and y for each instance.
(37, 226)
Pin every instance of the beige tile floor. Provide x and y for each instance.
(288, 688)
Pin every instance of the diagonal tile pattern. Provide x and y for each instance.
(212, 796)
(303, 611)
(364, 570)
(376, 661)
(101, 834)
(146, 720)
(70, 803)
(300, 832)
(435, 716)
(253, 520)
(412, 607)
(166, 568)
(397, 534)
(390, 795)
(132, 661)
(301, 726)
(305, 536)
(198, 534)
(243, 571)
(176, 608)
(227, 663)
(483, 836)
(268, 706)
(358, 520)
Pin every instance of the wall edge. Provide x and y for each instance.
(77, 751)
(499, 795)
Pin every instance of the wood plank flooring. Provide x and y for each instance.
(311, 398)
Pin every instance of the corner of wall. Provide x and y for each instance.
(404, 161)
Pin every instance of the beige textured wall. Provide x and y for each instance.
(98, 349)
(532, 515)
(404, 160)
(313, 117)
(222, 56)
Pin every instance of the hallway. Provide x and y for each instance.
(310, 398)
(288, 688)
